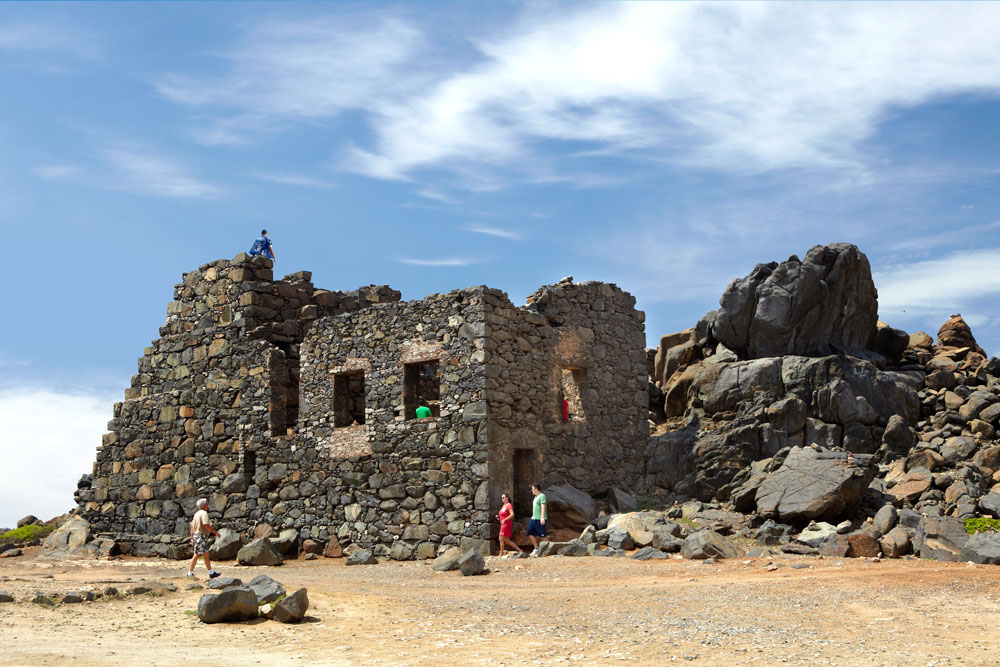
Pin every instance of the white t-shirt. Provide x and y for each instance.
(200, 522)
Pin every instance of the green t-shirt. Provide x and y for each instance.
(423, 412)
(536, 506)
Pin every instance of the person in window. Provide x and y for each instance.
(506, 519)
(262, 246)
(423, 412)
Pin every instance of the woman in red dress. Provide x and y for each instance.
(506, 518)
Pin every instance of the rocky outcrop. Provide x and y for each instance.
(814, 483)
(823, 304)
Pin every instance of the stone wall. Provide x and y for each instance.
(295, 407)
(584, 342)
(226, 364)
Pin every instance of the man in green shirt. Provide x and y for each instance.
(539, 513)
(423, 412)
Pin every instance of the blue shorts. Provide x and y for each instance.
(535, 528)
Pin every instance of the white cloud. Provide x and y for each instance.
(299, 180)
(51, 35)
(739, 86)
(309, 69)
(494, 231)
(142, 172)
(940, 285)
(49, 439)
(450, 261)
(53, 172)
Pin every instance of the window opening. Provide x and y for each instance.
(348, 399)
(524, 477)
(421, 387)
(571, 394)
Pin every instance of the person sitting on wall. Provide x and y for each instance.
(539, 512)
(201, 526)
(506, 519)
(423, 412)
(262, 246)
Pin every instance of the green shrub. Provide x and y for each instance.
(26, 533)
(981, 525)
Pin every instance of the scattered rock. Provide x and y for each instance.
(708, 544)
(6, 597)
(67, 540)
(265, 588)
(447, 561)
(362, 557)
(940, 538)
(291, 609)
(983, 548)
(569, 507)
(259, 552)
(648, 553)
(472, 563)
(29, 520)
(227, 545)
(222, 583)
(233, 605)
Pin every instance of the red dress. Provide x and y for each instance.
(506, 527)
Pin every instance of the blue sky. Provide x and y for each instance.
(666, 147)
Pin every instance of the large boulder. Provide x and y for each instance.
(68, 540)
(471, 563)
(447, 561)
(956, 333)
(227, 545)
(982, 548)
(266, 589)
(814, 483)
(287, 542)
(235, 604)
(292, 609)
(708, 544)
(940, 538)
(259, 552)
(569, 507)
(824, 303)
(362, 557)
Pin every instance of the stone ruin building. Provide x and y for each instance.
(295, 406)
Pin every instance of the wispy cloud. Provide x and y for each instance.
(940, 285)
(135, 169)
(741, 87)
(494, 231)
(53, 34)
(307, 69)
(54, 172)
(450, 261)
(299, 180)
(145, 173)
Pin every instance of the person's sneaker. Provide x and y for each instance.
(191, 575)
(213, 575)
(534, 554)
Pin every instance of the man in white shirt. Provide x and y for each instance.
(201, 527)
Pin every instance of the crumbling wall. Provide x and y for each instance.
(584, 342)
(403, 486)
(226, 364)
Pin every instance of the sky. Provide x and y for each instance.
(665, 147)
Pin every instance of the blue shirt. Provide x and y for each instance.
(262, 246)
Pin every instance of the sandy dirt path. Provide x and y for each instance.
(808, 611)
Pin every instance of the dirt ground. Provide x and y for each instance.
(796, 610)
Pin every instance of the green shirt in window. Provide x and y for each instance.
(423, 412)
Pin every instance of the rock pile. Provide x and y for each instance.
(797, 405)
(262, 597)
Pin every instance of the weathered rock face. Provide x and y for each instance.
(824, 303)
(956, 333)
(940, 538)
(983, 548)
(67, 540)
(569, 507)
(708, 544)
(814, 484)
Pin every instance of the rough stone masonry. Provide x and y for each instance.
(294, 406)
